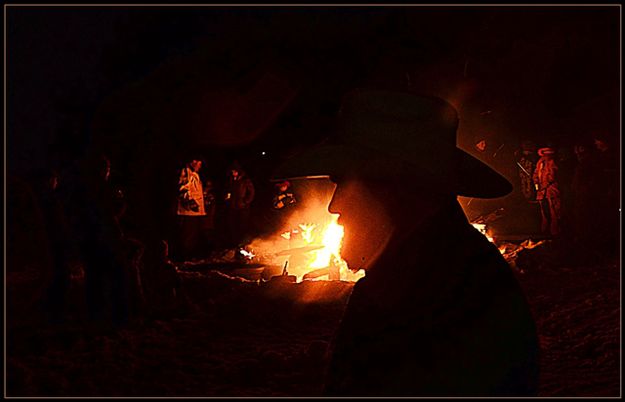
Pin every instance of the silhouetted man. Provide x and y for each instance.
(439, 312)
(239, 197)
(98, 207)
(59, 241)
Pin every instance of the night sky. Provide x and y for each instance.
(148, 85)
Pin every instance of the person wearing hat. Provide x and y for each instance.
(548, 191)
(439, 312)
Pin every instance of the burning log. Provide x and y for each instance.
(490, 217)
(333, 272)
(311, 247)
(316, 273)
(299, 250)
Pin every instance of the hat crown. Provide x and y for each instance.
(546, 151)
(415, 129)
(383, 134)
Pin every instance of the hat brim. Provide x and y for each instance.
(471, 178)
(477, 179)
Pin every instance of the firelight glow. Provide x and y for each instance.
(324, 237)
(331, 238)
(308, 242)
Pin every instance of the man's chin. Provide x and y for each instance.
(354, 263)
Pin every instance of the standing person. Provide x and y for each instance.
(58, 235)
(239, 196)
(190, 208)
(526, 162)
(548, 191)
(608, 196)
(439, 312)
(98, 208)
(585, 187)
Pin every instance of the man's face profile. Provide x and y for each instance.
(363, 214)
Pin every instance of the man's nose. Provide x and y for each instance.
(333, 207)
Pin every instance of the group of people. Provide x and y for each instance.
(128, 274)
(197, 207)
(575, 194)
(202, 212)
(125, 279)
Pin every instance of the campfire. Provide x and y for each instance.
(308, 249)
(308, 246)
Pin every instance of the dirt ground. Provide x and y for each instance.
(252, 339)
(577, 310)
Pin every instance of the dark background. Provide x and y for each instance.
(151, 85)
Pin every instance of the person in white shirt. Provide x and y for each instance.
(190, 208)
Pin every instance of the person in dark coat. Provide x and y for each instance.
(526, 163)
(97, 208)
(439, 312)
(58, 236)
(608, 195)
(239, 196)
(586, 208)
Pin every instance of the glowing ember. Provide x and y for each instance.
(247, 254)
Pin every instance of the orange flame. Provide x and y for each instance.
(309, 242)
(326, 234)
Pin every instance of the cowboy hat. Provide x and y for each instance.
(546, 151)
(381, 134)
